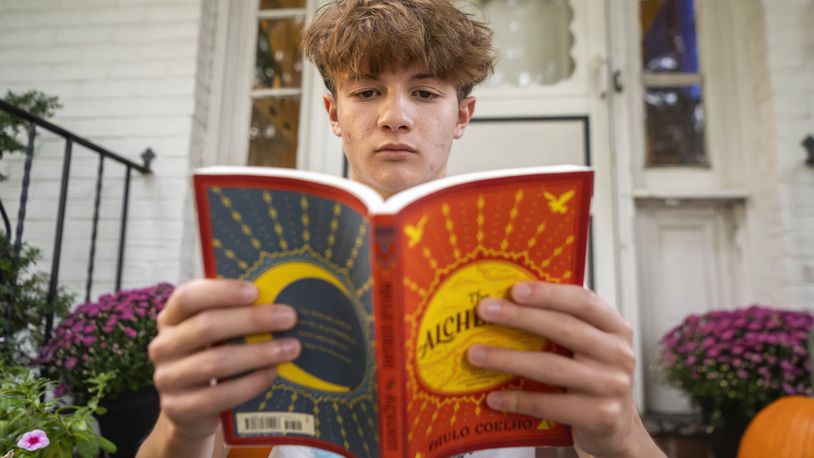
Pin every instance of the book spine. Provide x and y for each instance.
(388, 319)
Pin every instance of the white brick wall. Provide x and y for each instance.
(130, 74)
(788, 110)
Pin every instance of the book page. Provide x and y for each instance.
(459, 246)
(306, 247)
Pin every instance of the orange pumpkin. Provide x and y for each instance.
(783, 429)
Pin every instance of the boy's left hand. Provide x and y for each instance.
(598, 403)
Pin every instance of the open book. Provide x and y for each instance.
(386, 295)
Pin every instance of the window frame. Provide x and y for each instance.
(232, 93)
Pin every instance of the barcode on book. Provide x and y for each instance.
(275, 422)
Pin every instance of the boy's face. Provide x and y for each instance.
(397, 127)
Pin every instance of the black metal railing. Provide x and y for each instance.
(13, 248)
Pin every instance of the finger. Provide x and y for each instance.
(192, 405)
(564, 329)
(579, 410)
(203, 294)
(217, 325)
(573, 300)
(222, 362)
(551, 369)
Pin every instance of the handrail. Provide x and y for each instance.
(14, 247)
(22, 114)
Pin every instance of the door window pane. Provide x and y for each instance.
(675, 126)
(668, 36)
(279, 60)
(674, 110)
(273, 132)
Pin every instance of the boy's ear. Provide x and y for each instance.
(466, 109)
(330, 106)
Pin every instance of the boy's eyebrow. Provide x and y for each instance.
(361, 76)
(423, 76)
(369, 76)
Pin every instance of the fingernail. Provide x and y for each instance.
(490, 308)
(289, 348)
(495, 401)
(248, 292)
(477, 354)
(283, 314)
(521, 291)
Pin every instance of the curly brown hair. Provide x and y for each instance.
(354, 37)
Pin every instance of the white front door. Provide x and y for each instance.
(680, 197)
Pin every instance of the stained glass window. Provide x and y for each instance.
(674, 109)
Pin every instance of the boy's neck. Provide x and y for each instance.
(384, 193)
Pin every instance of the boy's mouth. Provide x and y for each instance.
(394, 148)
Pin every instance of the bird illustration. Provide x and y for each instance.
(557, 204)
(415, 232)
(545, 424)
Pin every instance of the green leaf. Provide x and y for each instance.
(106, 445)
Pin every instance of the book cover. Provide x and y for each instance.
(386, 295)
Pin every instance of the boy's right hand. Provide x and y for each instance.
(199, 315)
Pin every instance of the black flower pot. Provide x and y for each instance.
(724, 439)
(129, 419)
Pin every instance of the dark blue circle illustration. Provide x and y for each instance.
(329, 330)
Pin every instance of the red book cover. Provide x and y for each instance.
(386, 294)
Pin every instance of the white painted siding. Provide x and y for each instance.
(786, 115)
(130, 74)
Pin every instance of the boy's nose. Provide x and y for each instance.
(395, 114)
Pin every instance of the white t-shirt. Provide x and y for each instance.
(292, 451)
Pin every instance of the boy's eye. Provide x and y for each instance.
(366, 94)
(425, 94)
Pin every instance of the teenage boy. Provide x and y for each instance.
(399, 74)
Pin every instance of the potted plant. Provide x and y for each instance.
(34, 423)
(112, 334)
(732, 363)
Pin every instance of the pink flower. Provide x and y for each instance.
(33, 440)
(60, 390)
(71, 363)
(127, 315)
(131, 332)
